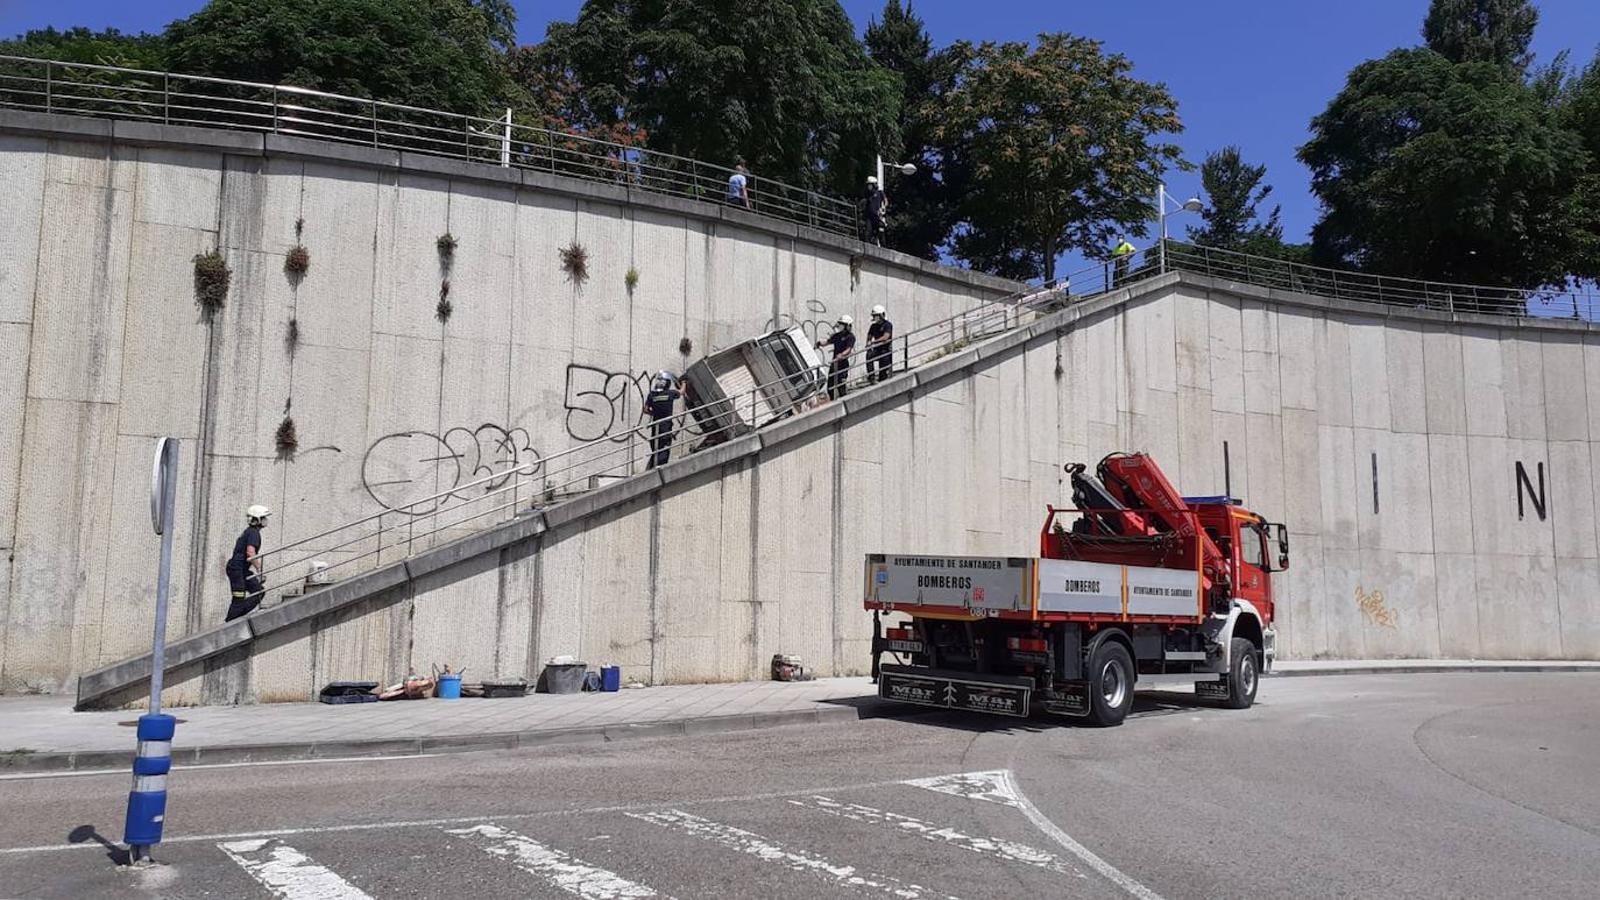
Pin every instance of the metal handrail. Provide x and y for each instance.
(522, 488)
(99, 91)
(1389, 290)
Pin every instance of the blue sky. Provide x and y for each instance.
(1247, 72)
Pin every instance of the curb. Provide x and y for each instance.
(19, 762)
(1428, 670)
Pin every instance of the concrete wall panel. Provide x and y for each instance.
(22, 168)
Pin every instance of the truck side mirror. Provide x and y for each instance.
(1283, 545)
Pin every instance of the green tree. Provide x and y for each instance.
(1066, 151)
(922, 205)
(1579, 107)
(1442, 170)
(1235, 193)
(783, 84)
(438, 54)
(102, 48)
(1492, 31)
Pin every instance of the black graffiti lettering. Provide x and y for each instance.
(605, 405)
(419, 472)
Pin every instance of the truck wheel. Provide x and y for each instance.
(1243, 676)
(1110, 684)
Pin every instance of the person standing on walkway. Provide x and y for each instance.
(659, 403)
(877, 210)
(1121, 257)
(244, 566)
(843, 343)
(880, 346)
(739, 186)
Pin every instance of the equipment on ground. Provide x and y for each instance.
(1144, 589)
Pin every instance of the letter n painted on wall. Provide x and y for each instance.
(1527, 494)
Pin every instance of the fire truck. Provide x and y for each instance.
(1134, 587)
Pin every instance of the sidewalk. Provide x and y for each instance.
(40, 733)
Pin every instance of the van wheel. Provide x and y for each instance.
(1110, 684)
(1244, 677)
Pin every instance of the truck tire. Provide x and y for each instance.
(1244, 676)
(1110, 684)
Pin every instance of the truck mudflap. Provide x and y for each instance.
(995, 694)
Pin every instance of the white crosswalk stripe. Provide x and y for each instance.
(287, 872)
(765, 850)
(997, 848)
(560, 869)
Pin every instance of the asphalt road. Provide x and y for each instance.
(1455, 785)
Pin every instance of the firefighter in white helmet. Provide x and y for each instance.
(244, 566)
(843, 343)
(880, 345)
(663, 396)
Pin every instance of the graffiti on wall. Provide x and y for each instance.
(1376, 609)
(459, 465)
(604, 404)
(816, 323)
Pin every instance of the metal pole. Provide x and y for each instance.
(505, 145)
(166, 484)
(374, 123)
(166, 99)
(49, 84)
(1161, 211)
(147, 800)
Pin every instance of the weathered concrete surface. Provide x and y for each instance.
(705, 569)
(102, 348)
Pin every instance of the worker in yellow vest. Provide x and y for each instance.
(1120, 257)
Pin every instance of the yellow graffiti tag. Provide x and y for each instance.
(1373, 607)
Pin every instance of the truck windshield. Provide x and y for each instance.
(788, 361)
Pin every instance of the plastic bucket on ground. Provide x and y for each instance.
(563, 678)
(450, 687)
(611, 678)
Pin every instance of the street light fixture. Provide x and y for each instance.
(903, 168)
(1192, 205)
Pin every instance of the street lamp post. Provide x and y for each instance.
(1192, 204)
(902, 168)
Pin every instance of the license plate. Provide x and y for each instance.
(1069, 699)
(1211, 690)
(905, 646)
(951, 693)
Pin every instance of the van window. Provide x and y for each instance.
(782, 352)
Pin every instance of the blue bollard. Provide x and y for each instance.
(147, 802)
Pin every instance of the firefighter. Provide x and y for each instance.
(877, 210)
(843, 343)
(244, 566)
(659, 402)
(880, 345)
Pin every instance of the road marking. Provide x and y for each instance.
(1051, 830)
(288, 873)
(763, 849)
(460, 820)
(184, 767)
(994, 786)
(560, 869)
(1010, 851)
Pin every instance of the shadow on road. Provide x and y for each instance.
(82, 833)
(1146, 705)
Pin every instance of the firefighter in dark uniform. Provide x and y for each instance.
(880, 345)
(659, 402)
(244, 566)
(842, 342)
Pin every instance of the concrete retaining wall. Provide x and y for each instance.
(1294, 404)
(102, 348)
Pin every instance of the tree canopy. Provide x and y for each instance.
(1492, 31)
(440, 54)
(80, 45)
(1066, 150)
(1234, 195)
(783, 84)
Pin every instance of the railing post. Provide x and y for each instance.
(49, 85)
(274, 109)
(166, 98)
(374, 123)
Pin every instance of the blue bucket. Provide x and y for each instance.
(450, 687)
(610, 678)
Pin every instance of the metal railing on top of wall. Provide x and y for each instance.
(1411, 293)
(172, 98)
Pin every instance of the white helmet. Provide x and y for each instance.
(878, 310)
(846, 320)
(257, 513)
(664, 375)
(872, 179)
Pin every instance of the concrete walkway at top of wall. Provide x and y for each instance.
(42, 733)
